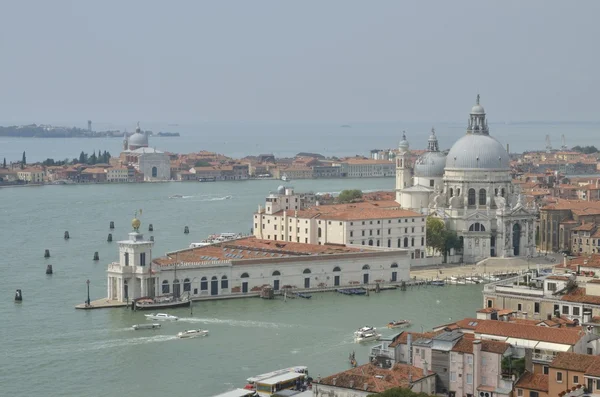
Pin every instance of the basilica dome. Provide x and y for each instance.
(477, 151)
(430, 164)
(138, 139)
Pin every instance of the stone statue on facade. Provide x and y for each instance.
(500, 201)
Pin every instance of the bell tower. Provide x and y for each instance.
(403, 167)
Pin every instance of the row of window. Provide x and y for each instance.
(587, 241)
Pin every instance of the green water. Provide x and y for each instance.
(51, 349)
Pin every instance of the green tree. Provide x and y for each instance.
(93, 159)
(4, 163)
(82, 158)
(435, 234)
(348, 196)
(399, 392)
(202, 163)
(23, 161)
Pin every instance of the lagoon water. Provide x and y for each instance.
(49, 348)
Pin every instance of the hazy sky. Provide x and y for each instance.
(189, 61)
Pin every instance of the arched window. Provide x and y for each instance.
(458, 192)
(245, 275)
(471, 199)
(319, 232)
(276, 273)
(306, 271)
(187, 286)
(224, 282)
(477, 227)
(154, 172)
(482, 196)
(399, 243)
(337, 269)
(412, 241)
(370, 242)
(394, 265)
(214, 278)
(366, 267)
(451, 192)
(502, 192)
(165, 287)
(203, 284)
(422, 241)
(406, 241)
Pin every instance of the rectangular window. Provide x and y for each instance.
(520, 392)
(519, 307)
(575, 379)
(536, 307)
(597, 384)
(559, 377)
(551, 286)
(126, 256)
(389, 231)
(575, 311)
(469, 359)
(452, 376)
(565, 310)
(534, 393)
(546, 370)
(469, 379)
(143, 259)
(351, 234)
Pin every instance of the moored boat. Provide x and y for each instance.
(137, 327)
(192, 333)
(438, 283)
(161, 316)
(398, 324)
(217, 238)
(160, 303)
(303, 295)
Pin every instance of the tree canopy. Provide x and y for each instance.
(399, 392)
(348, 196)
(202, 163)
(585, 149)
(439, 238)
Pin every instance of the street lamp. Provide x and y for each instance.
(87, 303)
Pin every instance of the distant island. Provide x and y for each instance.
(49, 131)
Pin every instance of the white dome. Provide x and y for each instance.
(477, 151)
(430, 164)
(403, 145)
(477, 109)
(138, 139)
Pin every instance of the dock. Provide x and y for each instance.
(103, 303)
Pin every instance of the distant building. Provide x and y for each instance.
(153, 164)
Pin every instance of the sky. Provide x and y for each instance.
(298, 61)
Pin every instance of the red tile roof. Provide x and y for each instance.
(573, 361)
(580, 295)
(372, 379)
(531, 381)
(567, 336)
(355, 211)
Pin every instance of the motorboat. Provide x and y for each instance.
(367, 336)
(165, 302)
(217, 238)
(285, 178)
(472, 280)
(439, 283)
(192, 333)
(176, 196)
(161, 316)
(303, 295)
(137, 327)
(398, 324)
(365, 329)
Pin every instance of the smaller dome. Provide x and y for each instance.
(135, 223)
(403, 145)
(281, 190)
(477, 109)
(430, 164)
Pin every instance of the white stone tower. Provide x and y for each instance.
(403, 167)
(132, 276)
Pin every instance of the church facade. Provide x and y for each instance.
(153, 164)
(471, 190)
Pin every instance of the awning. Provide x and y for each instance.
(557, 347)
(517, 342)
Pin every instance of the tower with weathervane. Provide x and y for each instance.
(132, 277)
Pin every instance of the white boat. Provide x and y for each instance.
(364, 330)
(160, 316)
(145, 326)
(176, 196)
(217, 238)
(192, 333)
(285, 178)
(367, 337)
(298, 369)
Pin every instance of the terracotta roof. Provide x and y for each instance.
(586, 227)
(531, 381)
(565, 336)
(559, 278)
(252, 248)
(356, 211)
(580, 295)
(374, 378)
(580, 206)
(464, 345)
(573, 361)
(594, 368)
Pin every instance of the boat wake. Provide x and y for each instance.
(237, 323)
(216, 198)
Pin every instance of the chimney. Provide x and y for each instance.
(476, 360)
(425, 371)
(565, 262)
(507, 149)
(351, 383)
(333, 382)
(366, 386)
